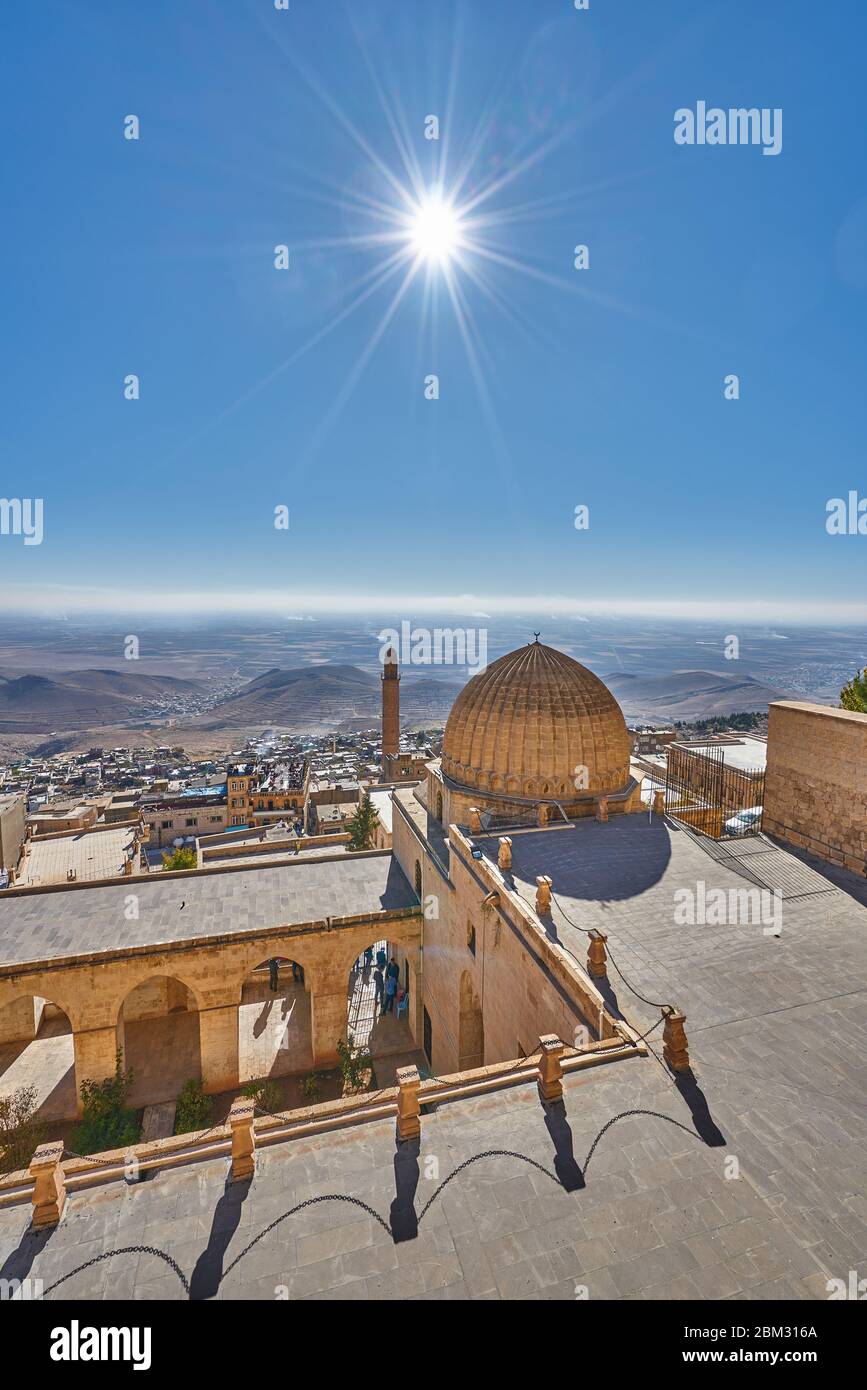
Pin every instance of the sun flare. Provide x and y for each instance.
(435, 229)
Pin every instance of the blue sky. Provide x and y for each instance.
(602, 387)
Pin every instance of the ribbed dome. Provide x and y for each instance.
(527, 724)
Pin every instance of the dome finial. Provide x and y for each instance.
(537, 635)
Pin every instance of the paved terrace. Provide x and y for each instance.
(71, 922)
(778, 1035)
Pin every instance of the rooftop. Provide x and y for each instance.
(92, 854)
(777, 1030)
(70, 922)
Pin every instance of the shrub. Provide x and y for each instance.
(310, 1086)
(107, 1122)
(355, 1063)
(20, 1132)
(265, 1094)
(194, 1108)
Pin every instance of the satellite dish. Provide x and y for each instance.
(178, 842)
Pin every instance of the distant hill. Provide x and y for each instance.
(689, 694)
(327, 694)
(79, 699)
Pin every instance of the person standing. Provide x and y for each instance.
(390, 992)
(378, 990)
(274, 975)
(393, 970)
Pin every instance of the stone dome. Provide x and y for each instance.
(528, 723)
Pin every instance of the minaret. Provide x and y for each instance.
(390, 706)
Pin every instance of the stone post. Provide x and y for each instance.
(543, 895)
(597, 960)
(543, 814)
(504, 856)
(602, 808)
(674, 1044)
(408, 1109)
(49, 1188)
(475, 821)
(551, 1069)
(659, 802)
(243, 1139)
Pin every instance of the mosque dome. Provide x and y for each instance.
(529, 723)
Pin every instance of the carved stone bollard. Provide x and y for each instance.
(475, 821)
(551, 1069)
(602, 808)
(243, 1138)
(49, 1187)
(504, 855)
(543, 814)
(543, 895)
(597, 958)
(674, 1044)
(408, 1109)
(659, 802)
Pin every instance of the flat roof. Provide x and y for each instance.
(70, 922)
(92, 854)
(748, 754)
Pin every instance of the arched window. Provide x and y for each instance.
(471, 938)
(418, 878)
(439, 806)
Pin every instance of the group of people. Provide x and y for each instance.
(386, 980)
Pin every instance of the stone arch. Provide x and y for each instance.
(511, 784)
(275, 1034)
(158, 1030)
(37, 1048)
(471, 1028)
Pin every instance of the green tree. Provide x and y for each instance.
(107, 1121)
(362, 827)
(854, 695)
(184, 857)
(20, 1132)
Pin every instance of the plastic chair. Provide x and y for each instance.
(402, 1004)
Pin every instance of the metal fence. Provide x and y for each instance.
(711, 796)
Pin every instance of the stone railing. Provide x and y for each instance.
(51, 1178)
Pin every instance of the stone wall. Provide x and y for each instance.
(816, 781)
(491, 982)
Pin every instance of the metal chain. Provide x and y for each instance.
(489, 1153)
(123, 1250)
(625, 1114)
(311, 1202)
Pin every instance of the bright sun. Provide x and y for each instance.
(435, 229)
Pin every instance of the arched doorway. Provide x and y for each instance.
(378, 1020)
(471, 1028)
(439, 806)
(274, 1021)
(159, 1026)
(36, 1049)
